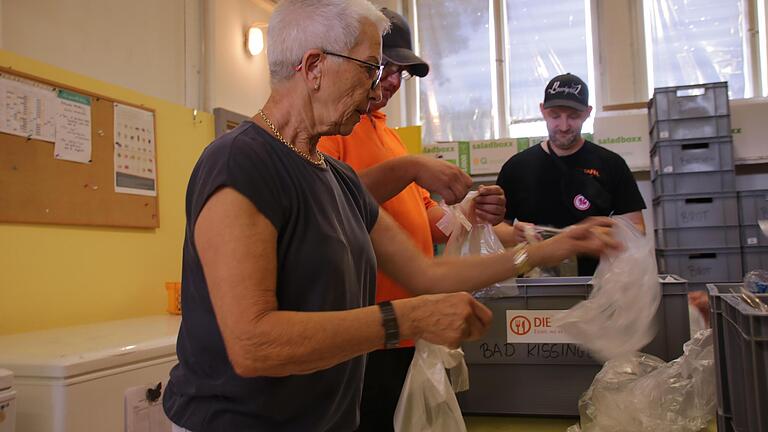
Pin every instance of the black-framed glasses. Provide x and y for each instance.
(393, 68)
(376, 69)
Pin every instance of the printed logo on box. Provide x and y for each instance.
(533, 326)
(447, 151)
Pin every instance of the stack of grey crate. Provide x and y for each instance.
(695, 202)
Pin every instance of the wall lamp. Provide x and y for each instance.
(254, 38)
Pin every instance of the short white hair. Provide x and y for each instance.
(297, 26)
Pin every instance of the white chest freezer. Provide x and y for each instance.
(7, 401)
(75, 379)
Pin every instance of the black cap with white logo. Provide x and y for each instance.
(567, 90)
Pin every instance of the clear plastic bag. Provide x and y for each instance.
(756, 282)
(642, 393)
(428, 400)
(618, 317)
(468, 237)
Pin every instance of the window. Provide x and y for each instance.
(459, 99)
(700, 41)
(456, 99)
(543, 40)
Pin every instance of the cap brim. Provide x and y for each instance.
(566, 103)
(405, 57)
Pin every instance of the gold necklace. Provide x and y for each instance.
(320, 162)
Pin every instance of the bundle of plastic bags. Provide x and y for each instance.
(642, 393)
(618, 317)
(470, 237)
(428, 400)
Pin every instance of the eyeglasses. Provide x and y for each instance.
(393, 68)
(376, 69)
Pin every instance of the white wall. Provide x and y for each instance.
(235, 80)
(137, 44)
(238, 81)
(619, 55)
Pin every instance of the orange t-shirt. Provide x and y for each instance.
(370, 143)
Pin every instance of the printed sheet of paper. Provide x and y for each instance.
(73, 128)
(27, 110)
(135, 165)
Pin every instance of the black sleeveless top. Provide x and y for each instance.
(326, 262)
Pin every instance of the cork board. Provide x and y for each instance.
(35, 187)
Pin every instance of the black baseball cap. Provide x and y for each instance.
(567, 90)
(397, 47)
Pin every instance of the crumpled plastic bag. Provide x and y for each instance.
(618, 317)
(468, 237)
(428, 402)
(642, 393)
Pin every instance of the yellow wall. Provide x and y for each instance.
(53, 276)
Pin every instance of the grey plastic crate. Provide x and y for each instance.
(753, 206)
(695, 210)
(691, 128)
(698, 237)
(669, 157)
(701, 100)
(752, 235)
(746, 352)
(702, 265)
(716, 294)
(696, 182)
(754, 258)
(549, 378)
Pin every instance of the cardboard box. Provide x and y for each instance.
(625, 133)
(488, 156)
(455, 152)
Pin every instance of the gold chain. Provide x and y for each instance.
(320, 162)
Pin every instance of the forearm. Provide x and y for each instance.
(506, 234)
(400, 260)
(389, 178)
(280, 343)
(470, 273)
(283, 343)
(435, 215)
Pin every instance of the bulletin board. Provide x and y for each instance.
(36, 186)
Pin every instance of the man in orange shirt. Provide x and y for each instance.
(400, 183)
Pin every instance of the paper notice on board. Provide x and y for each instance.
(135, 167)
(28, 111)
(73, 128)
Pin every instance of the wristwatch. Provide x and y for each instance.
(389, 322)
(520, 259)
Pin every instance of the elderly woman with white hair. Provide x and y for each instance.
(282, 245)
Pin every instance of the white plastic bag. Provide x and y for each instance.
(618, 317)
(642, 393)
(472, 238)
(427, 402)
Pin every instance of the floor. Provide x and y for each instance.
(517, 424)
(526, 424)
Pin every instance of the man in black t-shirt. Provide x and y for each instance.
(566, 179)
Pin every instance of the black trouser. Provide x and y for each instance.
(385, 374)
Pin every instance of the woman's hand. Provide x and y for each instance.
(593, 236)
(442, 319)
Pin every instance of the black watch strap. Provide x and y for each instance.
(389, 322)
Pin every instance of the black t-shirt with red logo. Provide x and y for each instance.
(558, 192)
